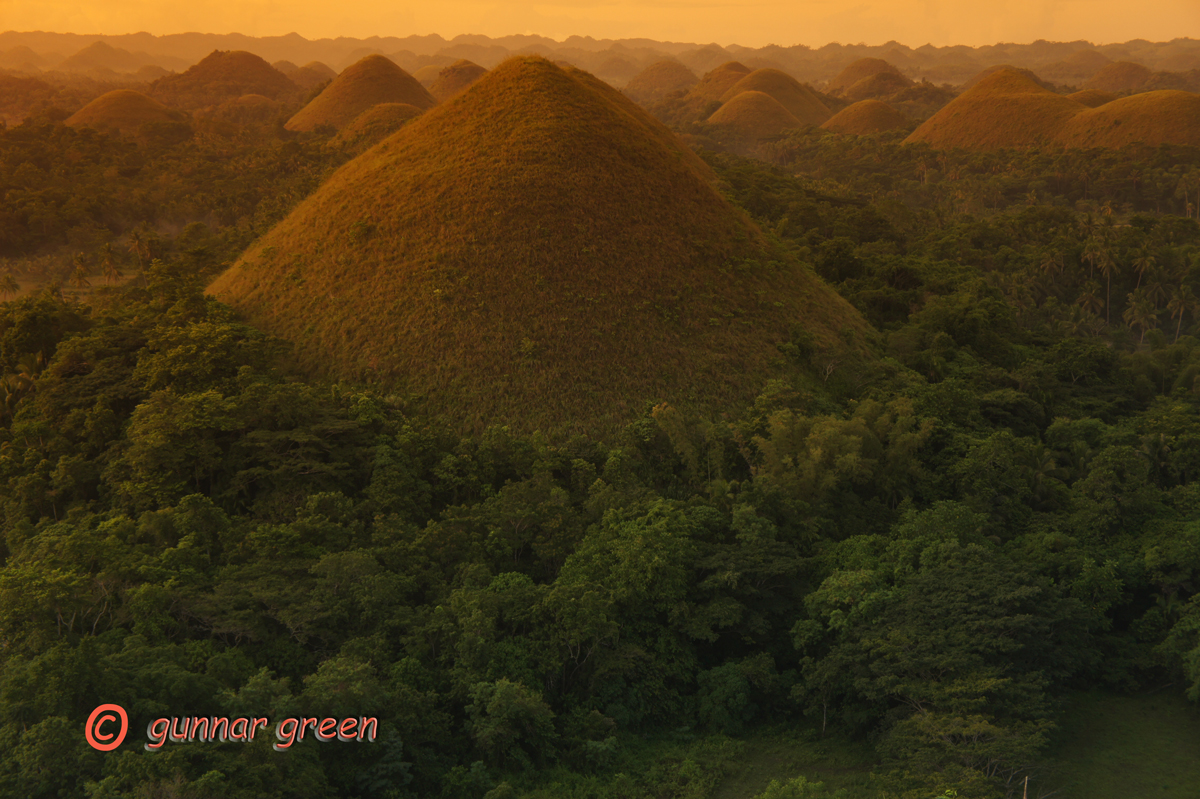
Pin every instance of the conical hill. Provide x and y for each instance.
(714, 84)
(371, 81)
(1119, 76)
(220, 76)
(538, 251)
(312, 75)
(754, 115)
(454, 78)
(866, 117)
(658, 80)
(1005, 109)
(1153, 118)
(800, 101)
(123, 111)
(858, 70)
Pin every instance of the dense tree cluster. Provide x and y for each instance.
(923, 551)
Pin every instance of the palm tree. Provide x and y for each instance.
(9, 287)
(1089, 298)
(79, 278)
(108, 264)
(1093, 253)
(1141, 264)
(1107, 267)
(1141, 314)
(1182, 301)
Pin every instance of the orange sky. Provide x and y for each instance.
(753, 23)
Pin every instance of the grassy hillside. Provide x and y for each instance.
(123, 110)
(538, 250)
(865, 117)
(1116, 747)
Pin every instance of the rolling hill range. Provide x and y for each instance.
(537, 251)
(371, 81)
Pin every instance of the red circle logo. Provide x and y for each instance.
(98, 738)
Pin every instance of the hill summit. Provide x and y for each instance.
(371, 81)
(537, 251)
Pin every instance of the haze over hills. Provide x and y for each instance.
(537, 250)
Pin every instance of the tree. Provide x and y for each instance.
(1107, 266)
(9, 287)
(108, 264)
(1182, 301)
(1141, 314)
(1142, 263)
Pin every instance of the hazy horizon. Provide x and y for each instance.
(813, 22)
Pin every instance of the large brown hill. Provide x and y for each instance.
(454, 78)
(538, 251)
(658, 80)
(859, 70)
(798, 99)
(123, 111)
(866, 117)
(1162, 117)
(881, 84)
(221, 76)
(1119, 77)
(1092, 98)
(1005, 109)
(373, 80)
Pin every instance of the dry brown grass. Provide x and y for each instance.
(866, 117)
(800, 101)
(453, 79)
(862, 69)
(374, 125)
(537, 251)
(123, 111)
(1092, 98)
(658, 80)
(427, 74)
(1163, 117)
(1119, 77)
(250, 110)
(371, 81)
(1005, 109)
(754, 115)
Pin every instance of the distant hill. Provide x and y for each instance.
(866, 117)
(987, 73)
(718, 81)
(861, 69)
(371, 81)
(374, 125)
(123, 111)
(453, 79)
(1119, 77)
(798, 99)
(538, 252)
(220, 77)
(1092, 98)
(1005, 109)
(658, 80)
(100, 55)
(311, 75)
(881, 84)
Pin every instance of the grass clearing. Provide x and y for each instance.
(839, 763)
(1128, 747)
